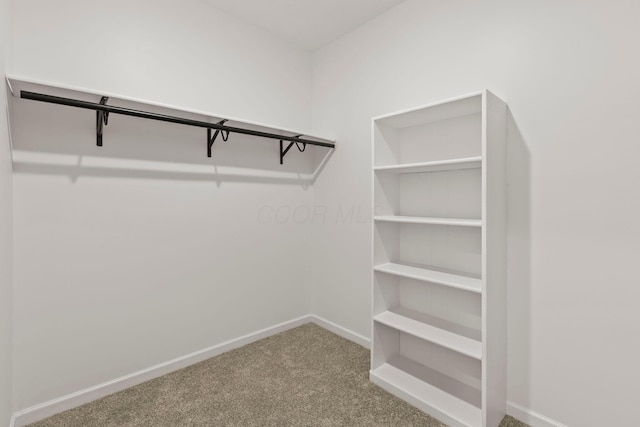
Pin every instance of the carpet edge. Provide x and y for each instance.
(341, 331)
(51, 407)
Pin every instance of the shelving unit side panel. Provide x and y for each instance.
(373, 274)
(494, 260)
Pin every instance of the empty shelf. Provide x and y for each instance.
(430, 399)
(427, 220)
(440, 165)
(441, 337)
(446, 279)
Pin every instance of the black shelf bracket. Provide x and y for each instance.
(102, 119)
(211, 140)
(283, 152)
(103, 110)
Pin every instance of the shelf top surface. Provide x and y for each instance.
(426, 220)
(432, 166)
(433, 276)
(429, 395)
(458, 343)
(442, 110)
(17, 84)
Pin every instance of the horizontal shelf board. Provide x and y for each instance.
(441, 165)
(427, 220)
(441, 337)
(446, 279)
(462, 327)
(19, 83)
(462, 383)
(442, 110)
(431, 399)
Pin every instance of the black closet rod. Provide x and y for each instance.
(163, 118)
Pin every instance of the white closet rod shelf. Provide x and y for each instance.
(103, 111)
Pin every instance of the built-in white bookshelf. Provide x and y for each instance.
(439, 242)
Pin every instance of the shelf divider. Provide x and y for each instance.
(444, 406)
(464, 283)
(434, 166)
(426, 220)
(441, 337)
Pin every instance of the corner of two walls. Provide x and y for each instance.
(145, 250)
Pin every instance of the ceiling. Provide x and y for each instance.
(309, 24)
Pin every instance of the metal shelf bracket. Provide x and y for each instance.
(284, 151)
(211, 140)
(102, 119)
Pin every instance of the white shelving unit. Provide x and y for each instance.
(439, 248)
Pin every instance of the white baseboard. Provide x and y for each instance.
(343, 332)
(530, 417)
(69, 401)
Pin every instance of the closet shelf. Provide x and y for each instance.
(424, 395)
(68, 96)
(427, 220)
(438, 277)
(440, 165)
(441, 337)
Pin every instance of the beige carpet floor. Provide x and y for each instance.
(303, 377)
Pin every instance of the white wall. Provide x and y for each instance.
(179, 53)
(6, 205)
(145, 250)
(569, 72)
(120, 264)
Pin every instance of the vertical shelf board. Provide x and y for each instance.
(375, 341)
(494, 299)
